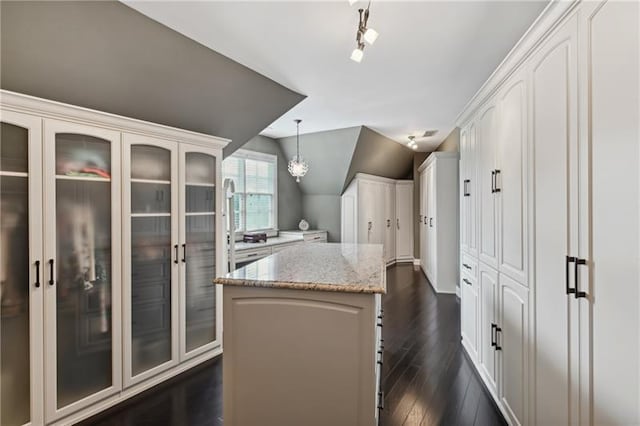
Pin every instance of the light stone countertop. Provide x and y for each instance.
(352, 268)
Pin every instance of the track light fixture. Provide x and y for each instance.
(364, 34)
(412, 142)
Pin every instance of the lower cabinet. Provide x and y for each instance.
(513, 340)
(488, 348)
(503, 349)
(469, 314)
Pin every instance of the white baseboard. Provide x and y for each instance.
(458, 291)
(416, 262)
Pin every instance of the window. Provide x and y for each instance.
(255, 199)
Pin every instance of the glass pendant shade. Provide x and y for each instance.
(297, 166)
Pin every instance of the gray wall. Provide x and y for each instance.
(107, 56)
(323, 212)
(289, 194)
(378, 155)
(451, 143)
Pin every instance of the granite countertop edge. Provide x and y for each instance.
(338, 288)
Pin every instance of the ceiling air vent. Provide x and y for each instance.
(429, 133)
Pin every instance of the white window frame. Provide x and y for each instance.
(258, 156)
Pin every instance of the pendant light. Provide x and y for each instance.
(297, 166)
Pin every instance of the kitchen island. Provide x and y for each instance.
(302, 337)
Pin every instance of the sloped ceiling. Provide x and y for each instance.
(378, 155)
(329, 156)
(109, 57)
(335, 157)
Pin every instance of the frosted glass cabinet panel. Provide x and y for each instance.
(82, 252)
(151, 257)
(20, 268)
(199, 262)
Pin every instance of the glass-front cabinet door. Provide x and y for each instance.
(151, 253)
(199, 229)
(21, 278)
(82, 250)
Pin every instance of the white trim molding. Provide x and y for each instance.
(548, 20)
(46, 108)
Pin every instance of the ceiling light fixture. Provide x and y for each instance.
(363, 35)
(412, 141)
(297, 166)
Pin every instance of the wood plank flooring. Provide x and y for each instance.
(427, 379)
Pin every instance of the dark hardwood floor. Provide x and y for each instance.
(427, 379)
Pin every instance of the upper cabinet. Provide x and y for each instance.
(510, 178)
(468, 190)
(498, 160)
(110, 243)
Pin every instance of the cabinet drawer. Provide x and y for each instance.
(320, 237)
(244, 255)
(467, 280)
(280, 247)
(469, 266)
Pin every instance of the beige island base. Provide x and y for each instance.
(302, 337)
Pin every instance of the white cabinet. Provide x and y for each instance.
(377, 210)
(404, 221)
(151, 256)
(439, 229)
(390, 222)
(488, 210)
(469, 314)
(559, 238)
(82, 252)
(503, 354)
(513, 337)
(511, 179)
(468, 191)
(95, 299)
(555, 137)
(488, 347)
(21, 269)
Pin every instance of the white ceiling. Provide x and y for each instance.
(430, 58)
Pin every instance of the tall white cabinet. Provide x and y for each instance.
(438, 226)
(109, 247)
(550, 312)
(378, 210)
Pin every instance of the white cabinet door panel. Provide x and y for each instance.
(488, 288)
(511, 180)
(486, 170)
(553, 76)
(513, 340)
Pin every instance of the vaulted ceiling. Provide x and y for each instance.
(430, 58)
(107, 56)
